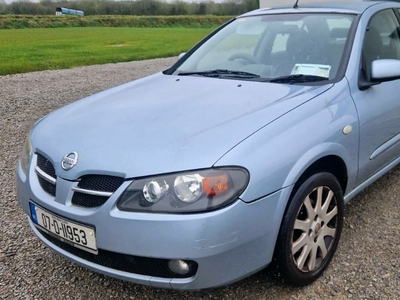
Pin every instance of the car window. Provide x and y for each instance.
(280, 42)
(338, 23)
(274, 46)
(281, 39)
(234, 43)
(381, 40)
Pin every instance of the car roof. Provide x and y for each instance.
(355, 7)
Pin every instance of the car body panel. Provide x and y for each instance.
(331, 113)
(378, 110)
(157, 136)
(330, 7)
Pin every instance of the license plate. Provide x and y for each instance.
(78, 235)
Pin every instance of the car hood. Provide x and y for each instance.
(162, 123)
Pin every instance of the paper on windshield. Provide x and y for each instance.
(312, 69)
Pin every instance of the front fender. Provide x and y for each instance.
(278, 154)
(316, 153)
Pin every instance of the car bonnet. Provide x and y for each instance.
(162, 124)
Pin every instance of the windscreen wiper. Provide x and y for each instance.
(297, 78)
(221, 73)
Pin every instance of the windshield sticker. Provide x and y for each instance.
(311, 69)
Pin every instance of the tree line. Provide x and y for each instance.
(132, 7)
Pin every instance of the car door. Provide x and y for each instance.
(379, 105)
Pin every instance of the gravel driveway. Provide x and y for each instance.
(367, 264)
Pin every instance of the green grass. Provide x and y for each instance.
(27, 50)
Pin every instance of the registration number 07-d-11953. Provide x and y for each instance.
(79, 235)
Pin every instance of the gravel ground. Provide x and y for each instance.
(366, 265)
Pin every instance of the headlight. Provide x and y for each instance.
(185, 192)
(26, 155)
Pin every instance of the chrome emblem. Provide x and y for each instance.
(69, 161)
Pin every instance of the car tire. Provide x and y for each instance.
(310, 229)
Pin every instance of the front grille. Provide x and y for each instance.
(128, 263)
(47, 180)
(94, 190)
(47, 186)
(100, 183)
(46, 166)
(85, 200)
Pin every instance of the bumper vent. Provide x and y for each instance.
(94, 190)
(46, 175)
(128, 263)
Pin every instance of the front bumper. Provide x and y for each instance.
(227, 244)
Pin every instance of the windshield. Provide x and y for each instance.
(293, 48)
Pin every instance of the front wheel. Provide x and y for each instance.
(311, 229)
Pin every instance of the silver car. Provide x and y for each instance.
(241, 154)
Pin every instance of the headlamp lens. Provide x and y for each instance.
(154, 191)
(188, 188)
(185, 192)
(26, 155)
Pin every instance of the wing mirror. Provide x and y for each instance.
(385, 70)
(381, 70)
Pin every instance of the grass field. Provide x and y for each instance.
(27, 50)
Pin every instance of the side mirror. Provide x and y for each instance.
(381, 70)
(385, 70)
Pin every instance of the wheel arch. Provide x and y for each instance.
(331, 164)
(331, 158)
